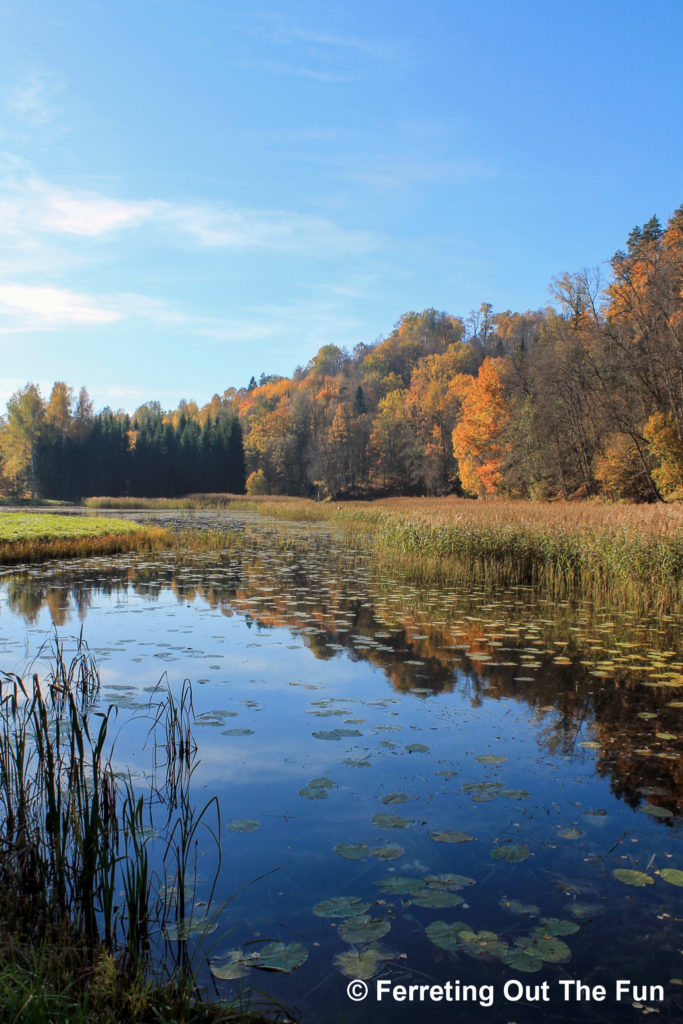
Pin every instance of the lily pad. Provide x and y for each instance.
(390, 821)
(352, 851)
(417, 748)
(363, 928)
(195, 924)
(516, 907)
(313, 793)
(235, 966)
(237, 732)
(392, 851)
(395, 798)
(244, 825)
(556, 926)
(363, 965)
(513, 794)
(674, 876)
(636, 878)
(446, 936)
(336, 734)
(512, 852)
(655, 811)
(483, 944)
(449, 881)
(281, 957)
(545, 947)
(490, 759)
(481, 791)
(583, 911)
(520, 960)
(436, 898)
(341, 906)
(451, 836)
(399, 885)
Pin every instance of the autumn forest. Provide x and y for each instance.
(582, 398)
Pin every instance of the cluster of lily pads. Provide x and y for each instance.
(527, 953)
(281, 957)
(639, 879)
(360, 930)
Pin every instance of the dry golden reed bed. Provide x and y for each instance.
(660, 520)
(629, 554)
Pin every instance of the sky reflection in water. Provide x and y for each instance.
(549, 733)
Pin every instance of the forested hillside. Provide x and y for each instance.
(581, 398)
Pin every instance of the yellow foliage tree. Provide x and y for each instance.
(666, 447)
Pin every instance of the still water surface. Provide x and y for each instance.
(420, 787)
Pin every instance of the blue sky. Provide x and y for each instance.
(195, 191)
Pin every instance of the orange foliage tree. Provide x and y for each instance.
(478, 439)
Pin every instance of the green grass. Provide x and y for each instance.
(34, 536)
(19, 526)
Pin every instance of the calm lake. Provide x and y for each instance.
(415, 786)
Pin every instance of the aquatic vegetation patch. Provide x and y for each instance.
(363, 929)
(629, 876)
(511, 852)
(341, 906)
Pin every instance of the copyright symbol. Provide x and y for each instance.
(357, 990)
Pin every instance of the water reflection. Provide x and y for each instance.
(378, 743)
(594, 678)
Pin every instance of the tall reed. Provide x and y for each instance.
(73, 835)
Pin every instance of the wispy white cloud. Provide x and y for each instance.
(31, 208)
(34, 206)
(33, 98)
(88, 215)
(54, 306)
(276, 230)
(40, 308)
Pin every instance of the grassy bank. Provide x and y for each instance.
(34, 537)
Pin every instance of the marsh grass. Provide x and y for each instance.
(188, 501)
(305, 508)
(35, 537)
(630, 554)
(74, 835)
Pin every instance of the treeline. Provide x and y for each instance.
(582, 398)
(54, 449)
(578, 399)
